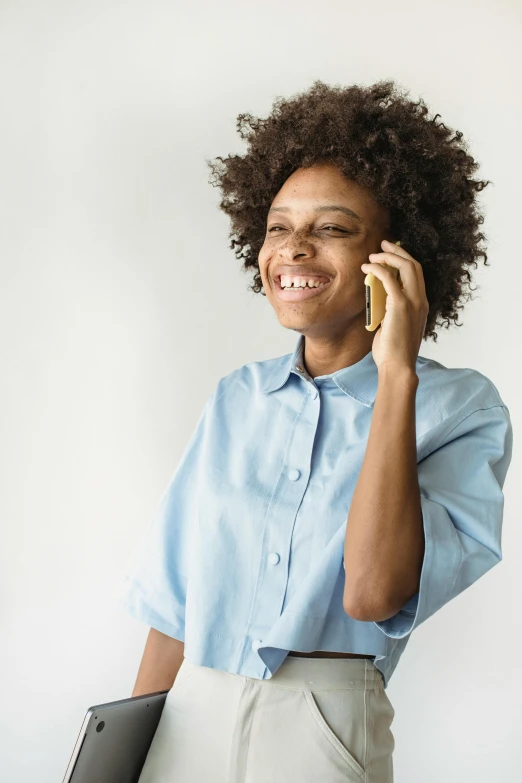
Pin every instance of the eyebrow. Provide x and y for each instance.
(327, 208)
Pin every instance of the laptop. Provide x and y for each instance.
(114, 740)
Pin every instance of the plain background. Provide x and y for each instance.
(122, 305)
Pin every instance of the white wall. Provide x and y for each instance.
(122, 306)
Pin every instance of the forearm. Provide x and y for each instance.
(384, 544)
(161, 660)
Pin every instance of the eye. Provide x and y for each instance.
(335, 228)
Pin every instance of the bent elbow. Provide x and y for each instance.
(355, 610)
(359, 610)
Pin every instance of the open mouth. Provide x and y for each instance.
(299, 294)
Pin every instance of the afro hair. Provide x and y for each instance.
(417, 168)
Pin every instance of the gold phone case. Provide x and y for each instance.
(376, 298)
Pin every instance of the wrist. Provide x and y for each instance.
(394, 374)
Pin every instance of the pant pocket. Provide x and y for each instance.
(283, 738)
(340, 716)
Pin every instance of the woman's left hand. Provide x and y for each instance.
(401, 332)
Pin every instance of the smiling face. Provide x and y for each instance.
(306, 236)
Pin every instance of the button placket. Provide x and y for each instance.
(280, 522)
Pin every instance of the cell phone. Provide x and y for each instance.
(376, 298)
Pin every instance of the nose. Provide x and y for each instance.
(296, 245)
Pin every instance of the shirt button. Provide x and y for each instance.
(256, 644)
(299, 368)
(294, 474)
(273, 558)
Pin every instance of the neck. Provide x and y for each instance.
(323, 356)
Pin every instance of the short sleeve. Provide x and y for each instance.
(462, 508)
(155, 580)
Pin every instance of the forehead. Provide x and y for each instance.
(317, 187)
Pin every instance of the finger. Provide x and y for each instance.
(391, 247)
(407, 272)
(387, 278)
(400, 251)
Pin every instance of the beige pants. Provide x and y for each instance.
(316, 720)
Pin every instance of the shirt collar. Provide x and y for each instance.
(359, 380)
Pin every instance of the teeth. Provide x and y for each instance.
(299, 282)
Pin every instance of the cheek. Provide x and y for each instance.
(263, 275)
(262, 264)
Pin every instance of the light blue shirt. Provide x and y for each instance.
(243, 558)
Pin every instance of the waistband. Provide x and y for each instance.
(352, 674)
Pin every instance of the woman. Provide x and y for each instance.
(329, 500)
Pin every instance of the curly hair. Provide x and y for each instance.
(418, 169)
